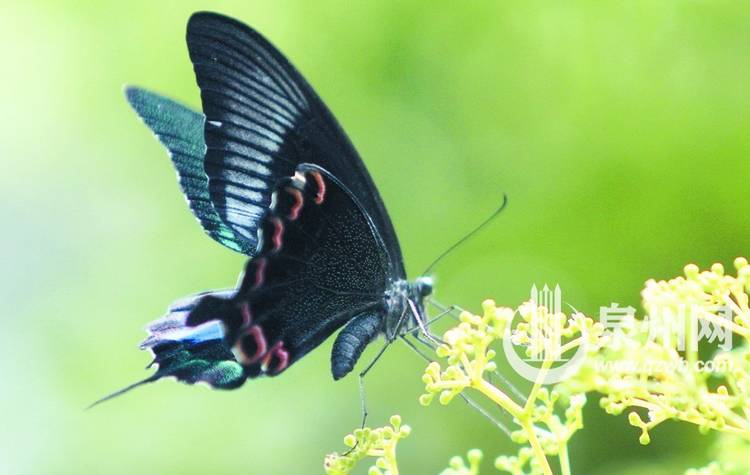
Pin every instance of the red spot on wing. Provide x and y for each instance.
(260, 343)
(298, 201)
(279, 353)
(321, 193)
(247, 316)
(260, 272)
(258, 339)
(278, 233)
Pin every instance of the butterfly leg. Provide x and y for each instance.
(362, 398)
(388, 340)
(449, 309)
(362, 375)
(422, 324)
(434, 319)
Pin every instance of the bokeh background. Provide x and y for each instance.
(619, 130)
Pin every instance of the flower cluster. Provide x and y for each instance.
(651, 367)
(379, 443)
(546, 419)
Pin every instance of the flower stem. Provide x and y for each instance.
(528, 427)
(564, 459)
(500, 398)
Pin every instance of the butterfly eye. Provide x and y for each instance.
(424, 286)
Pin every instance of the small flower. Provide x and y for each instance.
(378, 443)
(457, 466)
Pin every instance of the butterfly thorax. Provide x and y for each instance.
(404, 302)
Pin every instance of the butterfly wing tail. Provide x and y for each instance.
(191, 354)
(122, 391)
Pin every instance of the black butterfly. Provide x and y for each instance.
(269, 173)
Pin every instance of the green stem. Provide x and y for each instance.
(724, 323)
(500, 398)
(528, 427)
(564, 460)
(691, 350)
(538, 383)
(391, 458)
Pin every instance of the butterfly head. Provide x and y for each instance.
(422, 286)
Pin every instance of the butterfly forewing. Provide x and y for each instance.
(262, 120)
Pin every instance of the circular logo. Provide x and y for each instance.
(530, 372)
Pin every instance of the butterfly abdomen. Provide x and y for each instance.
(352, 340)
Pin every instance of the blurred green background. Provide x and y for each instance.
(619, 130)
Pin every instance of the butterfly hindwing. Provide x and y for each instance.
(291, 298)
(322, 264)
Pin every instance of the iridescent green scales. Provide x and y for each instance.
(209, 362)
(180, 130)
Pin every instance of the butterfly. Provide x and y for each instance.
(269, 173)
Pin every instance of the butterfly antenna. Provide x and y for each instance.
(469, 235)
